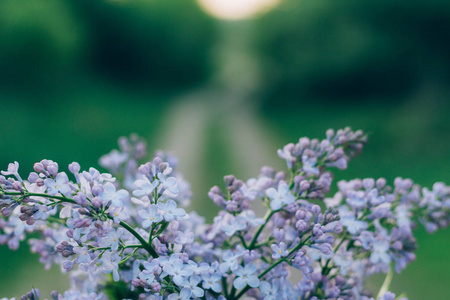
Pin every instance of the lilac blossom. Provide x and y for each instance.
(59, 185)
(280, 196)
(279, 250)
(245, 275)
(159, 251)
(170, 211)
(212, 282)
(110, 194)
(150, 216)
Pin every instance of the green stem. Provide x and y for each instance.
(387, 282)
(268, 215)
(144, 243)
(301, 244)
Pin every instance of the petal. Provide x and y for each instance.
(239, 283)
(275, 204)
(283, 188)
(216, 287)
(62, 178)
(253, 281)
(110, 188)
(143, 214)
(271, 193)
(139, 193)
(264, 287)
(185, 293)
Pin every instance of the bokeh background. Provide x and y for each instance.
(224, 84)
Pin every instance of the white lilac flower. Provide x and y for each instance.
(178, 271)
(229, 261)
(249, 217)
(185, 294)
(309, 165)
(184, 238)
(211, 281)
(356, 199)
(113, 160)
(150, 216)
(66, 211)
(83, 255)
(34, 188)
(380, 249)
(193, 286)
(237, 224)
(248, 192)
(112, 239)
(245, 275)
(279, 250)
(43, 212)
(119, 214)
(349, 221)
(169, 183)
(13, 169)
(110, 264)
(92, 175)
(170, 211)
(375, 198)
(344, 260)
(59, 185)
(110, 194)
(145, 188)
(280, 196)
(269, 290)
(286, 154)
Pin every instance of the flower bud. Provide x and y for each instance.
(96, 202)
(6, 211)
(40, 182)
(39, 167)
(53, 168)
(74, 168)
(17, 185)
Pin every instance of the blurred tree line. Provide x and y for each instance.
(323, 49)
(354, 50)
(141, 43)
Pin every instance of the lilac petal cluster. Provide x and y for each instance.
(132, 236)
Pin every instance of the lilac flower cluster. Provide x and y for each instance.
(126, 234)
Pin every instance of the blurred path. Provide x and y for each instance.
(249, 145)
(226, 106)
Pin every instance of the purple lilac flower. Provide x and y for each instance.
(110, 194)
(279, 250)
(59, 185)
(112, 239)
(150, 216)
(245, 275)
(13, 169)
(184, 294)
(212, 282)
(280, 196)
(178, 271)
(270, 291)
(170, 211)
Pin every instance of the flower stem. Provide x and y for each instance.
(387, 282)
(144, 243)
